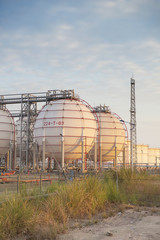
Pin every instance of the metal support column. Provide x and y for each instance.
(28, 116)
(34, 155)
(15, 157)
(95, 154)
(83, 155)
(115, 160)
(27, 132)
(62, 151)
(44, 151)
(37, 157)
(10, 155)
(124, 157)
(21, 119)
(7, 161)
(100, 149)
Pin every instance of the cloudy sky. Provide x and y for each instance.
(91, 46)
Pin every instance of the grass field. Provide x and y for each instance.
(45, 216)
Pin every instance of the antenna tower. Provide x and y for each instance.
(133, 136)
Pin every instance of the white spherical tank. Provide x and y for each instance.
(67, 119)
(112, 133)
(7, 133)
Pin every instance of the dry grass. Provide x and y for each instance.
(44, 218)
(16, 216)
(84, 198)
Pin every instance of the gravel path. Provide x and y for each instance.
(130, 225)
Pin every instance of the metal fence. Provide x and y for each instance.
(37, 184)
(33, 183)
(27, 184)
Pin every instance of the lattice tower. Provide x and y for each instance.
(133, 135)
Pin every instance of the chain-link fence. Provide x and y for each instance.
(26, 184)
(38, 184)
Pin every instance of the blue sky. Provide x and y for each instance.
(91, 46)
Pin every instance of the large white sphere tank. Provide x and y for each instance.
(112, 133)
(69, 119)
(7, 132)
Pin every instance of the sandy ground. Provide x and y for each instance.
(132, 224)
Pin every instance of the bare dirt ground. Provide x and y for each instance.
(132, 224)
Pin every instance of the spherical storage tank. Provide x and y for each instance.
(67, 119)
(7, 133)
(112, 133)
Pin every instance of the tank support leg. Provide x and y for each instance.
(7, 163)
(115, 160)
(44, 155)
(62, 146)
(124, 157)
(83, 156)
(10, 156)
(95, 155)
(15, 158)
(100, 149)
(34, 155)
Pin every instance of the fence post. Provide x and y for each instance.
(40, 182)
(18, 181)
(117, 180)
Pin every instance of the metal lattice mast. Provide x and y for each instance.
(28, 116)
(133, 136)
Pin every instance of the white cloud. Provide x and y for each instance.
(117, 8)
(73, 55)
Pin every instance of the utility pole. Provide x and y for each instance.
(133, 136)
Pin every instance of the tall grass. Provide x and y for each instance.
(84, 198)
(81, 198)
(45, 217)
(16, 216)
(136, 187)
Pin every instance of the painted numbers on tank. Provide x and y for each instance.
(53, 123)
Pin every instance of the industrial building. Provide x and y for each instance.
(146, 156)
